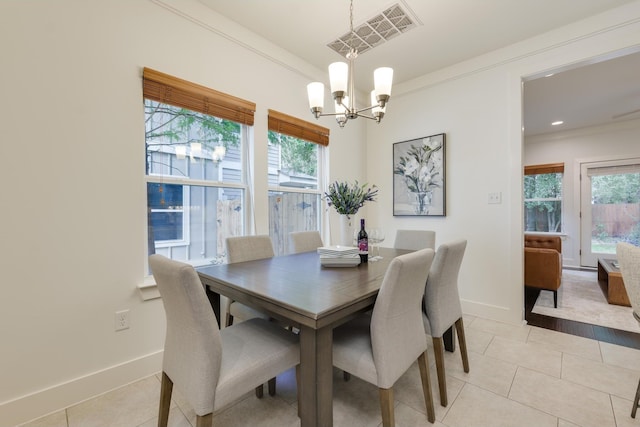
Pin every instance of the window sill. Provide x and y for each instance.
(148, 289)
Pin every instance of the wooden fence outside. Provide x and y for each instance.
(615, 220)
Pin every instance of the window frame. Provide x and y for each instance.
(288, 125)
(166, 89)
(545, 169)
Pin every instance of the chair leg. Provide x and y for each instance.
(298, 387)
(555, 299)
(425, 377)
(259, 392)
(635, 401)
(438, 349)
(386, 406)
(204, 420)
(346, 375)
(228, 320)
(166, 388)
(272, 386)
(463, 344)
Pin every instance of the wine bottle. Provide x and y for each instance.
(363, 243)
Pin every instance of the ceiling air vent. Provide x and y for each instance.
(375, 31)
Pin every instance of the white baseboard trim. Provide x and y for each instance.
(64, 395)
(492, 312)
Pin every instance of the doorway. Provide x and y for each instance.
(610, 208)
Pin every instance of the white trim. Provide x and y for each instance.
(74, 391)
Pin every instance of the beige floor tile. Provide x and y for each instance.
(506, 330)
(484, 371)
(565, 423)
(477, 407)
(266, 412)
(356, 403)
(409, 417)
(127, 406)
(620, 356)
(622, 410)
(527, 354)
(477, 340)
(176, 419)
(566, 343)
(408, 391)
(57, 419)
(600, 376)
(564, 399)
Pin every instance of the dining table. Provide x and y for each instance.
(300, 292)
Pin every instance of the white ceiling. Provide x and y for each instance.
(448, 32)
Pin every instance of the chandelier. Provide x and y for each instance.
(343, 88)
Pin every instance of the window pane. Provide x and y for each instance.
(291, 212)
(187, 144)
(543, 202)
(196, 229)
(190, 222)
(615, 211)
(293, 162)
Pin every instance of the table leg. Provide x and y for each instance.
(214, 300)
(449, 338)
(316, 377)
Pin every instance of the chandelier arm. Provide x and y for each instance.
(357, 113)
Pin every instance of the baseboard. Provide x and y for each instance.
(61, 396)
(492, 312)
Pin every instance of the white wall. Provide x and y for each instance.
(74, 220)
(602, 143)
(73, 198)
(478, 104)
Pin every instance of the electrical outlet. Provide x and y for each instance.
(122, 320)
(495, 198)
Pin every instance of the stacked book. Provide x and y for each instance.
(339, 256)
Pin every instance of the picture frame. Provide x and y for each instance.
(419, 176)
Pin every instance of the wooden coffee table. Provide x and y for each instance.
(611, 283)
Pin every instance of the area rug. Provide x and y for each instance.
(581, 299)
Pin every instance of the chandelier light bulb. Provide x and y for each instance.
(383, 79)
(338, 77)
(315, 92)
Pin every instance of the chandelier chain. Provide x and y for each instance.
(351, 25)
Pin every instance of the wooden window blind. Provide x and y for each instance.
(181, 93)
(292, 126)
(548, 168)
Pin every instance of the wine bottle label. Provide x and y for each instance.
(363, 245)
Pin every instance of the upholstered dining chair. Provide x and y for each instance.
(240, 249)
(248, 248)
(304, 241)
(379, 348)
(415, 239)
(212, 368)
(629, 261)
(442, 309)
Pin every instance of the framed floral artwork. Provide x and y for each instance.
(419, 177)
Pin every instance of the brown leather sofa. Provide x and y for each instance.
(543, 263)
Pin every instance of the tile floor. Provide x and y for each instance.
(520, 376)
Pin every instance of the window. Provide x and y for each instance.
(296, 171)
(196, 186)
(543, 198)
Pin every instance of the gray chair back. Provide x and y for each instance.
(415, 239)
(248, 248)
(304, 241)
(397, 333)
(441, 297)
(193, 347)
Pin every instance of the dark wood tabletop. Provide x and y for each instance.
(299, 291)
